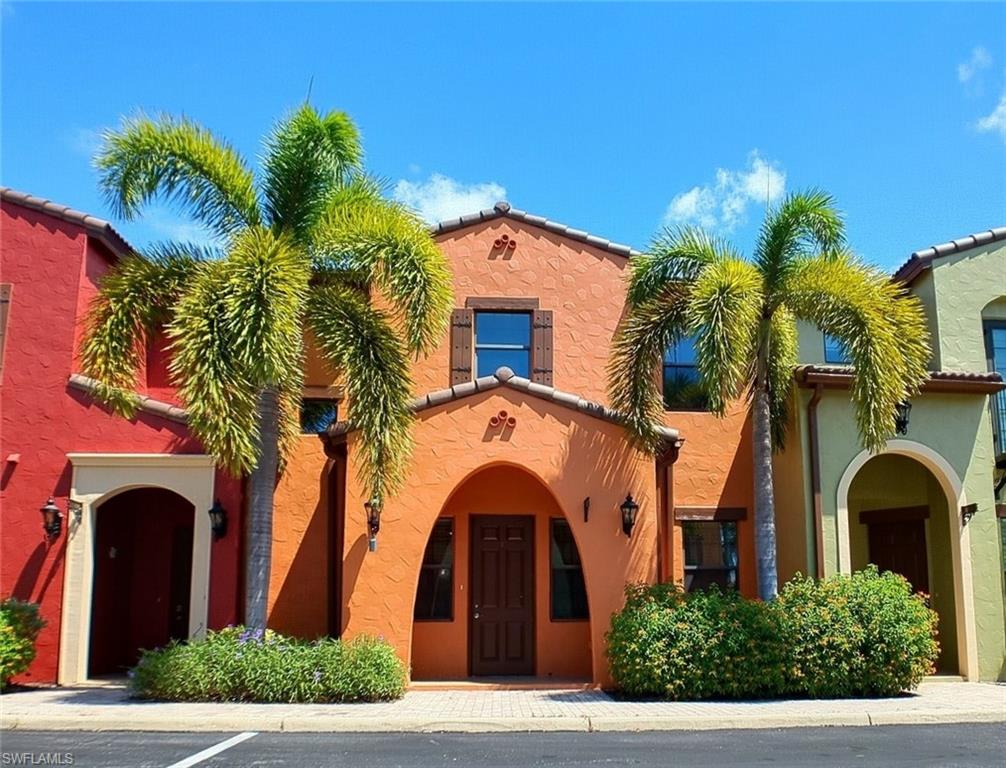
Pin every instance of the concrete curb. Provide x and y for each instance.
(321, 723)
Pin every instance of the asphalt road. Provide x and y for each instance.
(887, 746)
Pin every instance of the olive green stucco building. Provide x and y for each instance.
(931, 506)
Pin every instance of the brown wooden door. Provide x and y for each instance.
(502, 609)
(900, 546)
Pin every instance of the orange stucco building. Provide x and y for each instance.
(505, 551)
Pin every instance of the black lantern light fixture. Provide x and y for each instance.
(218, 519)
(373, 507)
(52, 519)
(629, 510)
(967, 512)
(902, 412)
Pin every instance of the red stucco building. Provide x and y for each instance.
(150, 568)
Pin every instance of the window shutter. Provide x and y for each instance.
(461, 345)
(541, 346)
(5, 291)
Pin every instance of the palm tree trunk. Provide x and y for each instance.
(261, 489)
(768, 580)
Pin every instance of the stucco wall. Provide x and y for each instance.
(54, 268)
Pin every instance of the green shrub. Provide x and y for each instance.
(860, 635)
(866, 634)
(19, 628)
(695, 645)
(235, 664)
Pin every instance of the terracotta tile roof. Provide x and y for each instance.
(920, 261)
(97, 228)
(504, 377)
(504, 210)
(938, 381)
(146, 404)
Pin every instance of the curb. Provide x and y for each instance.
(578, 723)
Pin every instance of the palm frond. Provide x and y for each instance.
(881, 327)
(135, 296)
(634, 384)
(804, 225)
(307, 157)
(675, 255)
(725, 312)
(182, 161)
(381, 243)
(264, 295)
(359, 343)
(782, 361)
(218, 391)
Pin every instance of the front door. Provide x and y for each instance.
(900, 546)
(502, 609)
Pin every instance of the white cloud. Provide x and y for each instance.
(84, 141)
(980, 59)
(170, 226)
(441, 197)
(722, 205)
(995, 122)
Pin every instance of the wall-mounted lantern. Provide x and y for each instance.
(902, 412)
(218, 520)
(373, 508)
(629, 510)
(967, 512)
(52, 519)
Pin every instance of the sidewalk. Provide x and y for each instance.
(107, 709)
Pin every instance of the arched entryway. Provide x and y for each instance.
(502, 589)
(142, 576)
(900, 510)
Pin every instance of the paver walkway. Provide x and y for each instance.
(108, 708)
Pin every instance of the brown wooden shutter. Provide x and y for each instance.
(541, 346)
(461, 345)
(5, 291)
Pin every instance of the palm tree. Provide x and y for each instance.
(742, 315)
(302, 249)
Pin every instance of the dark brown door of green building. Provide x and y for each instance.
(502, 608)
(897, 541)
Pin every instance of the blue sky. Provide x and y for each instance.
(614, 119)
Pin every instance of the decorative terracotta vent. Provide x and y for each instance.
(504, 243)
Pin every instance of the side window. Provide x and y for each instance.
(317, 413)
(569, 593)
(502, 338)
(710, 554)
(682, 384)
(835, 351)
(435, 596)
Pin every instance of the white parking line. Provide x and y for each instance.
(216, 749)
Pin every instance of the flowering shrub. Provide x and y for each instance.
(860, 635)
(236, 664)
(19, 628)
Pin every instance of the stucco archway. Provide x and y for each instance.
(443, 648)
(97, 478)
(953, 489)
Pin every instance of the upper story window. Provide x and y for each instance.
(835, 351)
(682, 383)
(317, 413)
(995, 347)
(502, 338)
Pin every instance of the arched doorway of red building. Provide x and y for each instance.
(142, 577)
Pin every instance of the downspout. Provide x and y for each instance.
(815, 481)
(665, 522)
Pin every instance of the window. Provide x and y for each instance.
(569, 594)
(995, 346)
(435, 596)
(503, 338)
(317, 413)
(682, 384)
(710, 554)
(835, 351)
